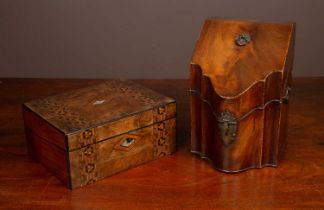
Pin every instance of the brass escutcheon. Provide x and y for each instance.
(227, 125)
(243, 39)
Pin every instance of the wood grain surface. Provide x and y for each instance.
(81, 141)
(237, 109)
(77, 110)
(179, 181)
(233, 69)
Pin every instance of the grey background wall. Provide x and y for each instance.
(136, 39)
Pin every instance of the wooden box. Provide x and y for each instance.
(240, 80)
(91, 133)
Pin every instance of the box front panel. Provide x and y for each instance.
(99, 160)
(123, 125)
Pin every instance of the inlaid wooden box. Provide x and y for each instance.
(91, 133)
(240, 82)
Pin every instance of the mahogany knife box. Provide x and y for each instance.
(91, 133)
(240, 78)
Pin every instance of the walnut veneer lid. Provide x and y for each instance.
(96, 105)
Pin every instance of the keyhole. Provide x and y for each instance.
(227, 129)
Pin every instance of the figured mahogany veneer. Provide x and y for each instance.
(240, 92)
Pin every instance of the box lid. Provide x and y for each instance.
(77, 112)
(236, 54)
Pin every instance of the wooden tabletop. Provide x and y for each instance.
(180, 181)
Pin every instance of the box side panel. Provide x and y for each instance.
(43, 129)
(99, 160)
(284, 121)
(195, 108)
(271, 120)
(207, 119)
(52, 157)
(270, 136)
(283, 125)
(123, 125)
